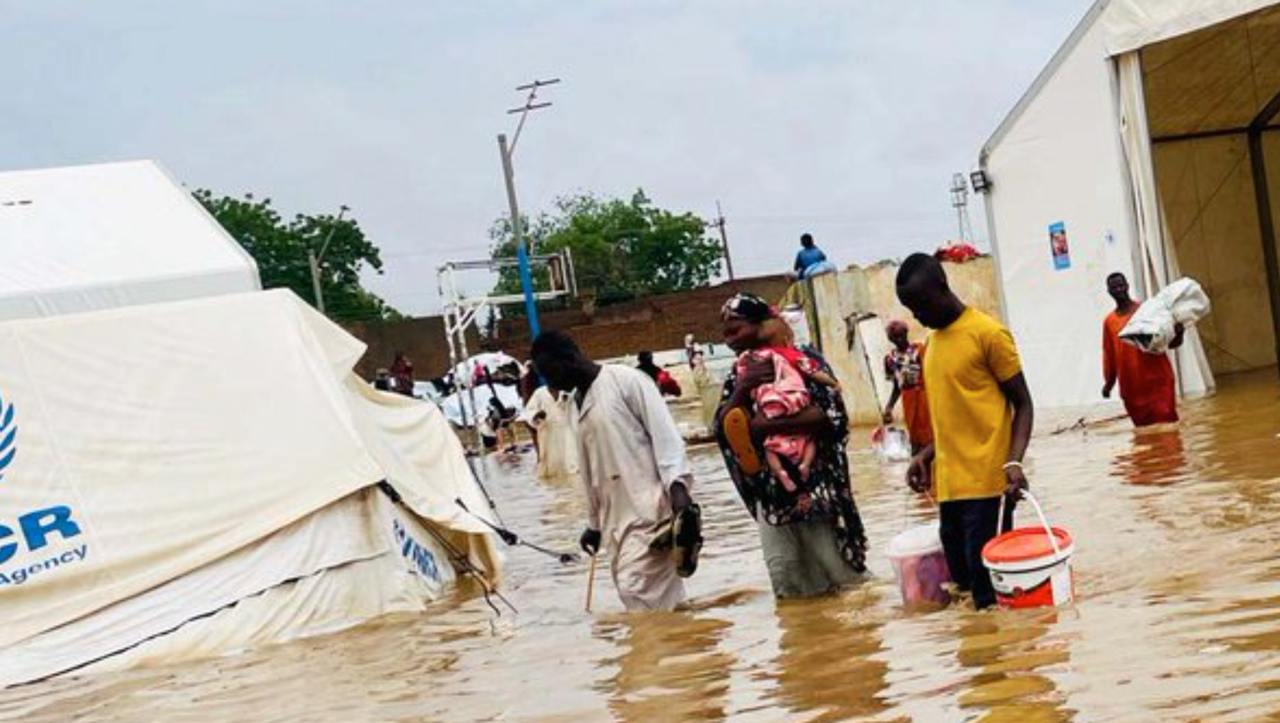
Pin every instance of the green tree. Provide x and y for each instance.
(280, 250)
(621, 249)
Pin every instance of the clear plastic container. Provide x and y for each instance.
(920, 566)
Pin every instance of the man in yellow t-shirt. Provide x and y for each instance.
(982, 416)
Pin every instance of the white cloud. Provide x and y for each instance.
(845, 119)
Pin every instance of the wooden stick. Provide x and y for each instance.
(591, 581)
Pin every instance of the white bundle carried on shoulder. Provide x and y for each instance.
(1151, 328)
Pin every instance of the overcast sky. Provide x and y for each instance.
(841, 118)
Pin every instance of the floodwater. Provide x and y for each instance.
(1178, 616)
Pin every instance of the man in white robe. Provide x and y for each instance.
(634, 470)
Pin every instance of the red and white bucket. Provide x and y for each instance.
(1031, 566)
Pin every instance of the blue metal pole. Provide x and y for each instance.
(526, 285)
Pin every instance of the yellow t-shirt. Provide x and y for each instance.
(972, 420)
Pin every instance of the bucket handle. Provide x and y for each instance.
(1053, 539)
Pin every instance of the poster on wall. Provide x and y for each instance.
(1058, 246)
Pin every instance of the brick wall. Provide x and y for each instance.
(655, 322)
(422, 339)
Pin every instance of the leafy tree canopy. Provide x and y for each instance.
(280, 249)
(621, 249)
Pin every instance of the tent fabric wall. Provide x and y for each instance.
(147, 428)
(424, 461)
(328, 571)
(1158, 259)
(331, 600)
(155, 441)
(1058, 159)
(1207, 189)
(119, 234)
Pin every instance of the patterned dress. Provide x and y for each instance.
(828, 484)
(906, 369)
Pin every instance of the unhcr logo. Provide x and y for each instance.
(37, 529)
(8, 436)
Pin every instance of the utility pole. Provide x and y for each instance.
(724, 240)
(314, 259)
(508, 174)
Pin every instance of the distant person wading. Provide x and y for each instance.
(1147, 384)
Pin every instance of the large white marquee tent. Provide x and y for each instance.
(1148, 141)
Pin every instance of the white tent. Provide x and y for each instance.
(1135, 145)
(103, 236)
(196, 477)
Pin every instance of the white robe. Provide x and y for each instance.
(631, 453)
(557, 445)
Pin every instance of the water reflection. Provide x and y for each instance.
(826, 667)
(1006, 652)
(1177, 576)
(1157, 458)
(669, 669)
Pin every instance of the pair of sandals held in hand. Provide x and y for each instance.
(682, 536)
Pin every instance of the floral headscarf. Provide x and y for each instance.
(749, 308)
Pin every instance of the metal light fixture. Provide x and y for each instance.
(980, 181)
(959, 191)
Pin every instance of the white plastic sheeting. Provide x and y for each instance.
(457, 406)
(1154, 325)
(154, 442)
(96, 237)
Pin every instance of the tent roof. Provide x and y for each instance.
(1211, 62)
(1134, 24)
(1214, 80)
(93, 237)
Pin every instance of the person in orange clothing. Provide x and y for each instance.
(1147, 384)
(904, 367)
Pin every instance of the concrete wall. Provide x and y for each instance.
(840, 299)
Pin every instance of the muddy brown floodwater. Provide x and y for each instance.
(1178, 615)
